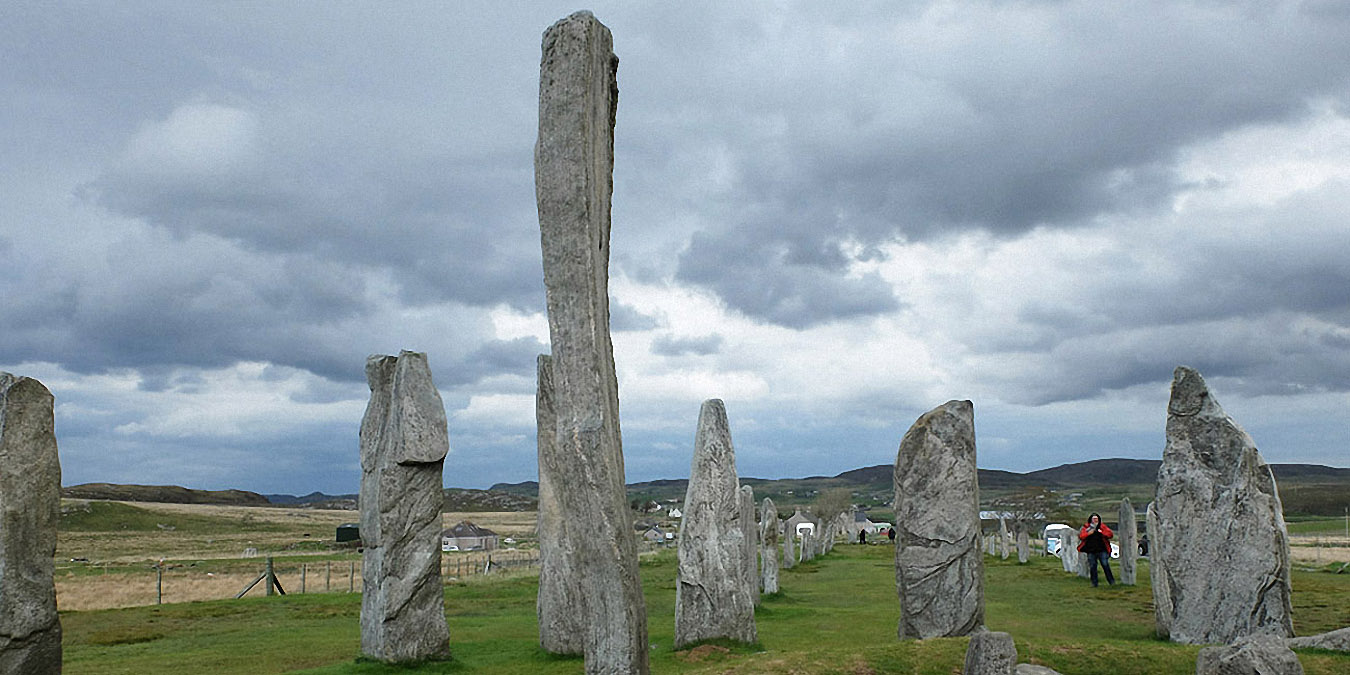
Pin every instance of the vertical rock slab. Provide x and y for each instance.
(789, 548)
(30, 508)
(1004, 538)
(768, 538)
(1023, 544)
(403, 447)
(560, 627)
(712, 594)
(808, 546)
(990, 653)
(1127, 538)
(939, 572)
(751, 532)
(573, 168)
(1157, 572)
(1220, 527)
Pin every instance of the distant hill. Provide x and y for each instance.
(456, 499)
(170, 494)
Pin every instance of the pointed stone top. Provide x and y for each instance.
(1190, 394)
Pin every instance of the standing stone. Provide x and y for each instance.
(574, 164)
(1071, 563)
(751, 532)
(789, 549)
(1084, 562)
(403, 447)
(560, 627)
(808, 546)
(1127, 538)
(1004, 538)
(939, 573)
(30, 507)
(712, 592)
(1023, 544)
(990, 653)
(1220, 528)
(1251, 655)
(768, 537)
(1157, 572)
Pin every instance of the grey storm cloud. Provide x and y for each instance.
(670, 345)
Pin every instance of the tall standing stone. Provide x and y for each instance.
(574, 163)
(768, 537)
(1157, 573)
(1023, 543)
(560, 627)
(712, 593)
(939, 572)
(1127, 538)
(30, 507)
(403, 447)
(1003, 538)
(1220, 527)
(789, 552)
(751, 532)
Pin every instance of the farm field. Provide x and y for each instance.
(836, 614)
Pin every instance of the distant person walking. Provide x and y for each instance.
(890, 534)
(862, 536)
(1095, 540)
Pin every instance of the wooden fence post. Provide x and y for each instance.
(351, 578)
(303, 569)
(270, 579)
(328, 580)
(159, 582)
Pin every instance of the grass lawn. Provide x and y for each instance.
(837, 614)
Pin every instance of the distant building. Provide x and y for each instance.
(654, 535)
(800, 522)
(465, 536)
(675, 513)
(348, 532)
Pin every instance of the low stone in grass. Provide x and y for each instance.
(1251, 655)
(990, 653)
(1338, 640)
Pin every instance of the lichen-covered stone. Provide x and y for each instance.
(750, 529)
(1338, 640)
(1127, 538)
(1250, 655)
(990, 653)
(403, 447)
(1220, 531)
(560, 627)
(573, 168)
(939, 572)
(712, 592)
(30, 508)
(768, 537)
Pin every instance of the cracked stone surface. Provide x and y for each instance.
(939, 571)
(1220, 534)
(768, 538)
(573, 169)
(1250, 655)
(990, 653)
(712, 592)
(403, 447)
(30, 508)
(560, 627)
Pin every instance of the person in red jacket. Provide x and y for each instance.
(1095, 541)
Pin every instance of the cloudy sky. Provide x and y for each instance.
(833, 219)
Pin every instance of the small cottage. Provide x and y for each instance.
(348, 532)
(465, 536)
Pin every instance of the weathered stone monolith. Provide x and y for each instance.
(712, 592)
(750, 529)
(1157, 573)
(939, 572)
(1220, 528)
(1262, 654)
(1066, 548)
(1127, 538)
(574, 164)
(990, 653)
(808, 546)
(1004, 538)
(789, 548)
(1023, 543)
(30, 508)
(403, 447)
(560, 628)
(768, 537)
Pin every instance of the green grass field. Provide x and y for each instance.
(837, 614)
